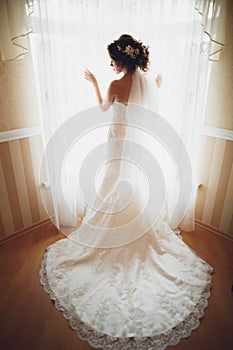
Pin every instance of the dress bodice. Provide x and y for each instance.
(119, 112)
(119, 121)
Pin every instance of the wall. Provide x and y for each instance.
(18, 106)
(20, 148)
(215, 196)
(21, 205)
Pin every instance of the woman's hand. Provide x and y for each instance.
(90, 77)
(159, 80)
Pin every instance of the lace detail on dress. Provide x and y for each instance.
(98, 263)
(154, 342)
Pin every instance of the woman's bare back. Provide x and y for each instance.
(121, 88)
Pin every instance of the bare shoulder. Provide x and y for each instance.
(114, 85)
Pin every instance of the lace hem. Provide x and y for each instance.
(158, 342)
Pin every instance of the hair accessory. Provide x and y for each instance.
(129, 51)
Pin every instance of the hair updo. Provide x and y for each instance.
(129, 53)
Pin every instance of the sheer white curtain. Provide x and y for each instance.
(72, 35)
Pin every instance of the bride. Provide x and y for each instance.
(124, 286)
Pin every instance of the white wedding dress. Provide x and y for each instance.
(125, 292)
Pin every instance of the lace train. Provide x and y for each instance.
(154, 342)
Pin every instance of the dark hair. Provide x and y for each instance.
(129, 53)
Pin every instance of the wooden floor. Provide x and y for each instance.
(29, 320)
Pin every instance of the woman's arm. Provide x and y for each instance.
(105, 104)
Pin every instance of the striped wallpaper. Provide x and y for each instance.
(20, 202)
(20, 205)
(215, 197)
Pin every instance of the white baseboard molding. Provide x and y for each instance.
(213, 230)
